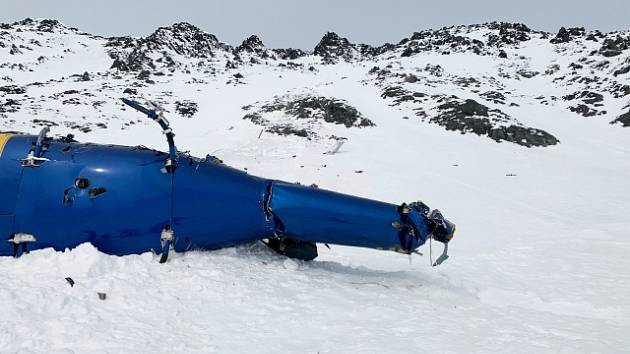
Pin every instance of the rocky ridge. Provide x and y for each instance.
(589, 73)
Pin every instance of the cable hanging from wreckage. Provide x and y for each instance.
(124, 200)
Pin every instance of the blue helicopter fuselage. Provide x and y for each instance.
(60, 193)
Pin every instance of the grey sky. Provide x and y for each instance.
(300, 24)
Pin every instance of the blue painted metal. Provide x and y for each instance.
(121, 199)
(309, 214)
(166, 129)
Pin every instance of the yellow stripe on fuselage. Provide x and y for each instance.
(4, 138)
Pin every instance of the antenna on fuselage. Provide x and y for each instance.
(157, 115)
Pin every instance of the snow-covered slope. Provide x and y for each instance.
(520, 137)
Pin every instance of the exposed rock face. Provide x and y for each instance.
(157, 49)
(253, 51)
(48, 25)
(253, 48)
(566, 35)
(39, 25)
(493, 96)
(589, 100)
(186, 108)
(614, 47)
(509, 33)
(442, 41)
(587, 97)
(9, 105)
(184, 39)
(302, 113)
(333, 48)
(621, 71)
(400, 95)
(12, 90)
(623, 119)
(289, 53)
(15, 50)
(183, 46)
(329, 109)
(587, 72)
(471, 116)
(251, 44)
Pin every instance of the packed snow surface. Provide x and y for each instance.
(540, 261)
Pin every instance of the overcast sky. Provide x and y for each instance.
(300, 24)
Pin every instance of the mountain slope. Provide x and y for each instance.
(505, 129)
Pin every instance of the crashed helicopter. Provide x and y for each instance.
(124, 200)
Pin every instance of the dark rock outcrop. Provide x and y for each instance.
(509, 33)
(493, 96)
(614, 47)
(587, 97)
(251, 44)
(622, 70)
(182, 39)
(623, 119)
(289, 53)
(302, 114)
(333, 48)
(585, 110)
(12, 90)
(254, 49)
(471, 116)
(9, 106)
(48, 25)
(186, 108)
(328, 109)
(14, 50)
(566, 35)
